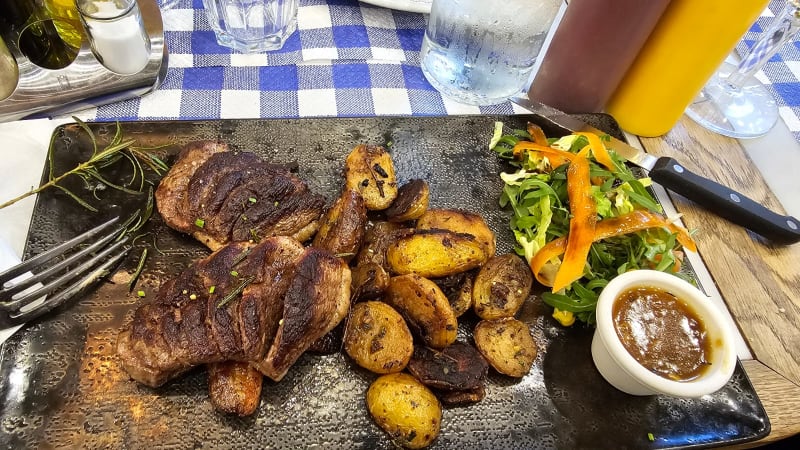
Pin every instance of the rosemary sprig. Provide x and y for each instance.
(236, 291)
(117, 149)
(138, 271)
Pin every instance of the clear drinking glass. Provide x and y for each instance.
(117, 34)
(252, 26)
(481, 52)
(733, 102)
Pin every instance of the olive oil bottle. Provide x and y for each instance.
(36, 34)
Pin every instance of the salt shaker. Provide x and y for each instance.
(117, 34)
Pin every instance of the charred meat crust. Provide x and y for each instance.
(317, 300)
(220, 196)
(171, 194)
(187, 325)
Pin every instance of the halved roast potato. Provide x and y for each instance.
(501, 287)
(405, 409)
(369, 170)
(234, 387)
(341, 229)
(435, 253)
(507, 345)
(459, 221)
(377, 338)
(425, 308)
(370, 281)
(411, 202)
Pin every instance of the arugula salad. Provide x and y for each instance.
(581, 217)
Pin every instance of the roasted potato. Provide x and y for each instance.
(507, 345)
(329, 343)
(501, 287)
(377, 338)
(425, 308)
(341, 229)
(457, 367)
(458, 290)
(461, 398)
(369, 170)
(435, 253)
(459, 222)
(405, 409)
(234, 387)
(462, 300)
(411, 202)
(377, 237)
(369, 281)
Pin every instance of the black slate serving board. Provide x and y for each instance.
(61, 383)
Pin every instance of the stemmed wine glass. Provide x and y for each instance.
(734, 103)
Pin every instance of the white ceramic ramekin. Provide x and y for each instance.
(620, 369)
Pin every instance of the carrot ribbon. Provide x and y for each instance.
(629, 223)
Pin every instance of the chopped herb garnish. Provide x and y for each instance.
(200, 223)
(252, 200)
(234, 273)
(193, 297)
(212, 289)
(650, 437)
(277, 203)
(140, 293)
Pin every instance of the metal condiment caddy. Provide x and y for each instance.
(28, 88)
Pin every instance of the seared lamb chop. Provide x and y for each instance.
(269, 303)
(220, 196)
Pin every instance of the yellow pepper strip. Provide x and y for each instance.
(565, 318)
(581, 225)
(629, 223)
(537, 134)
(557, 157)
(599, 150)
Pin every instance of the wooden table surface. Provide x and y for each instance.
(759, 281)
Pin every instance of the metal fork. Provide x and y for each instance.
(25, 298)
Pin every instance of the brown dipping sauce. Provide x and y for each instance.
(662, 333)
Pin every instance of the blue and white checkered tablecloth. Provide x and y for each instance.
(346, 59)
(781, 74)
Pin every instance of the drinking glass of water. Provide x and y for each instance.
(252, 26)
(481, 52)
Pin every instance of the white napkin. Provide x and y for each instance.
(8, 258)
(25, 143)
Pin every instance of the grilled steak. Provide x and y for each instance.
(186, 324)
(269, 303)
(171, 194)
(219, 196)
(316, 301)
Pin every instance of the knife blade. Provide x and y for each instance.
(669, 173)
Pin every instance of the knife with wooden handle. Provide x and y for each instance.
(669, 173)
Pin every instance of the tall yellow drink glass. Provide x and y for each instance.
(688, 44)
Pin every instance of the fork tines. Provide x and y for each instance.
(25, 295)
